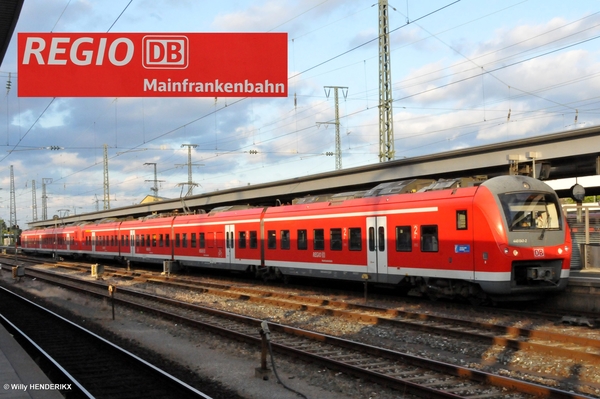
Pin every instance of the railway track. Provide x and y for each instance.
(581, 348)
(90, 366)
(391, 368)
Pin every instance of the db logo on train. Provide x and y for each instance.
(538, 252)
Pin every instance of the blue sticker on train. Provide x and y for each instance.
(462, 249)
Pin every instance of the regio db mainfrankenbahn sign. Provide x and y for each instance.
(152, 65)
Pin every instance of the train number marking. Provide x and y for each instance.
(538, 252)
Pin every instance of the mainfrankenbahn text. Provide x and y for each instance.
(187, 86)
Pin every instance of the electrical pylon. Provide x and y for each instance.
(386, 114)
(33, 202)
(106, 182)
(45, 180)
(156, 181)
(190, 183)
(338, 143)
(13, 203)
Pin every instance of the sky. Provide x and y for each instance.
(464, 73)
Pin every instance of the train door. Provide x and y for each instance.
(229, 243)
(377, 259)
(93, 241)
(132, 242)
(68, 242)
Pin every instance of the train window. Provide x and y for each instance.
(429, 238)
(371, 239)
(461, 220)
(184, 240)
(177, 240)
(202, 240)
(153, 240)
(242, 239)
(148, 239)
(272, 239)
(194, 240)
(319, 239)
(137, 240)
(143, 241)
(285, 239)
(253, 240)
(355, 239)
(381, 238)
(122, 240)
(403, 239)
(167, 241)
(302, 239)
(161, 240)
(335, 239)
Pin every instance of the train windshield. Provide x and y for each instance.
(526, 211)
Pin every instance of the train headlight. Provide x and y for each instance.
(566, 248)
(560, 251)
(505, 251)
(515, 252)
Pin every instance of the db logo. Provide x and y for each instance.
(538, 252)
(165, 52)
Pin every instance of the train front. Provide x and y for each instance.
(531, 252)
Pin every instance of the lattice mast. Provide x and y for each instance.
(155, 181)
(33, 202)
(190, 183)
(386, 120)
(13, 203)
(106, 181)
(338, 143)
(45, 180)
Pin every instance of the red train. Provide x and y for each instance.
(504, 238)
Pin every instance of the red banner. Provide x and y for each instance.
(152, 65)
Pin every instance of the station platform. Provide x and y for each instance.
(20, 376)
(582, 293)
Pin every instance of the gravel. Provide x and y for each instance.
(230, 366)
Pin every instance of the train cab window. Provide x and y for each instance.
(302, 239)
(194, 240)
(177, 240)
(242, 240)
(429, 238)
(285, 239)
(153, 240)
(253, 240)
(184, 240)
(526, 210)
(272, 239)
(461, 220)
(202, 239)
(161, 240)
(403, 239)
(335, 239)
(319, 239)
(355, 239)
